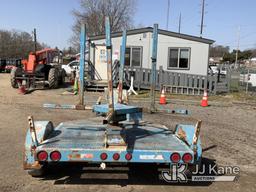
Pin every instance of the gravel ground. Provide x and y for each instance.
(228, 138)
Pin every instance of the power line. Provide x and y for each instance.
(241, 37)
(186, 19)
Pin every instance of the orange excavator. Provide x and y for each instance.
(41, 68)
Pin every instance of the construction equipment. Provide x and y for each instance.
(2, 65)
(41, 68)
(6, 65)
(120, 138)
(11, 64)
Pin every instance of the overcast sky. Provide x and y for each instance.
(53, 19)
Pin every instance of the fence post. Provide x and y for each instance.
(206, 82)
(215, 84)
(229, 73)
(139, 78)
(247, 81)
(161, 76)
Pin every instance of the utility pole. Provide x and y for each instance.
(202, 19)
(179, 22)
(168, 10)
(35, 42)
(237, 49)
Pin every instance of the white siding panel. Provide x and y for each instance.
(198, 55)
(133, 40)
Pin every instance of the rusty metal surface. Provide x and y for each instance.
(109, 70)
(197, 131)
(80, 107)
(35, 165)
(121, 69)
(32, 131)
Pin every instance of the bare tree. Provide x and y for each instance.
(93, 13)
(16, 44)
(218, 50)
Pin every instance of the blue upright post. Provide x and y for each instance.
(82, 63)
(153, 68)
(109, 70)
(121, 69)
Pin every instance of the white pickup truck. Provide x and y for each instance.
(72, 66)
(251, 79)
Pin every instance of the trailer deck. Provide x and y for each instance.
(85, 141)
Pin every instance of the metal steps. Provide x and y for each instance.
(97, 86)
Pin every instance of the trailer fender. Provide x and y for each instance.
(186, 134)
(43, 130)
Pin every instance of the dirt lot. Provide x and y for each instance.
(228, 138)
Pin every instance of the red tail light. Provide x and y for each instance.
(42, 156)
(55, 156)
(128, 156)
(187, 158)
(175, 157)
(103, 156)
(116, 156)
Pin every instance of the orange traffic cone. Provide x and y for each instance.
(162, 98)
(204, 101)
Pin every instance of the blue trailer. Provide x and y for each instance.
(103, 144)
(119, 137)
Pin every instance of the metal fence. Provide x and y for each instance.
(247, 80)
(177, 83)
(228, 79)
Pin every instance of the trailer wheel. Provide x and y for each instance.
(37, 172)
(15, 73)
(53, 78)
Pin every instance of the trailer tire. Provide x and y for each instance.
(37, 172)
(15, 72)
(53, 78)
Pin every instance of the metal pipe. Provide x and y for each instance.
(121, 69)
(58, 106)
(65, 106)
(109, 70)
(153, 68)
(82, 63)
